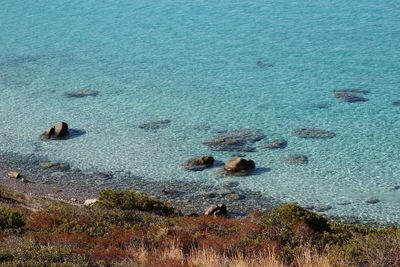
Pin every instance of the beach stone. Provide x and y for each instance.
(238, 140)
(14, 175)
(199, 163)
(296, 159)
(59, 130)
(216, 210)
(239, 166)
(90, 201)
(155, 125)
(350, 97)
(396, 103)
(313, 133)
(82, 93)
(276, 144)
(372, 201)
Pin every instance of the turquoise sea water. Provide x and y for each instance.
(195, 63)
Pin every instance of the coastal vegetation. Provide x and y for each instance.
(127, 228)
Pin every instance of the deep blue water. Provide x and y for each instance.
(195, 63)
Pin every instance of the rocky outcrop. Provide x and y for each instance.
(238, 140)
(199, 163)
(276, 144)
(313, 133)
(239, 166)
(216, 210)
(58, 131)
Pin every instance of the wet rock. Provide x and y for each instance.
(239, 166)
(230, 184)
(313, 133)
(58, 131)
(350, 97)
(199, 163)
(276, 144)
(155, 125)
(396, 103)
(234, 196)
(216, 210)
(14, 175)
(84, 92)
(238, 140)
(372, 201)
(54, 165)
(91, 201)
(296, 159)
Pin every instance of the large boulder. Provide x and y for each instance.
(239, 166)
(216, 210)
(58, 131)
(199, 163)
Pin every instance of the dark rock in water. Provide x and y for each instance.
(82, 93)
(58, 131)
(230, 184)
(202, 127)
(296, 159)
(353, 90)
(261, 64)
(239, 166)
(200, 163)
(322, 105)
(216, 210)
(238, 140)
(395, 188)
(344, 203)
(372, 201)
(350, 97)
(322, 208)
(313, 133)
(276, 144)
(396, 103)
(155, 125)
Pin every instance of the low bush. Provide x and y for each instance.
(131, 200)
(10, 219)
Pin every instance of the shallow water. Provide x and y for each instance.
(216, 66)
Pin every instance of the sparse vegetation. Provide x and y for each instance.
(126, 229)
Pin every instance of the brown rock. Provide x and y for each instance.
(239, 166)
(200, 163)
(216, 210)
(59, 130)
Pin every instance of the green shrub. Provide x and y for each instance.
(131, 200)
(290, 214)
(10, 219)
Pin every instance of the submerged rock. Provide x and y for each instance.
(261, 64)
(372, 201)
(217, 210)
(238, 140)
(351, 96)
(58, 131)
(313, 133)
(200, 163)
(54, 165)
(155, 125)
(296, 159)
(276, 144)
(82, 93)
(396, 103)
(239, 166)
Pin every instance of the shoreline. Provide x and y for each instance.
(65, 183)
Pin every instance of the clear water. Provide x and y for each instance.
(194, 62)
